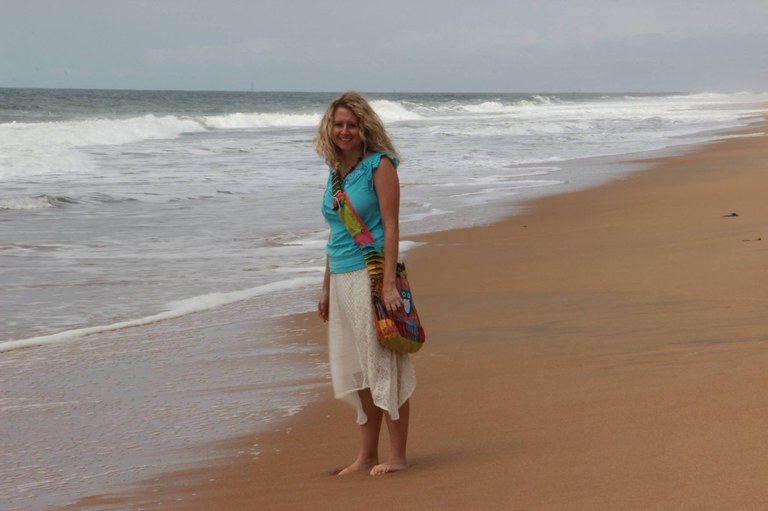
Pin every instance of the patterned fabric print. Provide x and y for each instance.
(357, 359)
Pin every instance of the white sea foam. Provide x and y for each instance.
(391, 111)
(259, 120)
(488, 107)
(414, 216)
(743, 135)
(176, 309)
(406, 245)
(502, 181)
(25, 404)
(30, 149)
(98, 131)
(306, 269)
(22, 203)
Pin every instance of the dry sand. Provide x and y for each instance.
(605, 350)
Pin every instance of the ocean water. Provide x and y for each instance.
(142, 233)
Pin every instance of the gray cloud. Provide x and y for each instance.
(427, 45)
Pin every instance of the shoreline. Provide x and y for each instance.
(589, 369)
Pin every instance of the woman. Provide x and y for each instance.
(377, 381)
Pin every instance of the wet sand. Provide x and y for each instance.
(604, 350)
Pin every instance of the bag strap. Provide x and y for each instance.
(372, 255)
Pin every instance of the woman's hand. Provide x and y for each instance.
(322, 305)
(391, 298)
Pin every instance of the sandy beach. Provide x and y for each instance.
(604, 350)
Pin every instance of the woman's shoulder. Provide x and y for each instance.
(374, 159)
(369, 165)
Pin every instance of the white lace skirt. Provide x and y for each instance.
(357, 359)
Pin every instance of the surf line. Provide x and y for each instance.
(181, 308)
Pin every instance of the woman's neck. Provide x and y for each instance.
(350, 161)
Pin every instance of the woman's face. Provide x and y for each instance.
(345, 132)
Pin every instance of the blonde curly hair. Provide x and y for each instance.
(372, 132)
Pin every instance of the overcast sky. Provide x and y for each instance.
(384, 46)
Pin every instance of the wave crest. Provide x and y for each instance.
(20, 143)
(392, 111)
(259, 120)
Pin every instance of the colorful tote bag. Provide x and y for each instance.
(402, 331)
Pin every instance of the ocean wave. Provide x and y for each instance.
(21, 143)
(35, 202)
(500, 107)
(705, 98)
(68, 145)
(495, 107)
(392, 111)
(44, 201)
(538, 99)
(389, 111)
(55, 148)
(488, 107)
(96, 132)
(103, 198)
(175, 309)
(258, 120)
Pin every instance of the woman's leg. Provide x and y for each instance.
(368, 456)
(398, 439)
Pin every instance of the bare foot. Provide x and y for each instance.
(388, 467)
(358, 466)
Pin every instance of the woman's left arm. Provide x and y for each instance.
(387, 186)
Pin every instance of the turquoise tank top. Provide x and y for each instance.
(343, 255)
